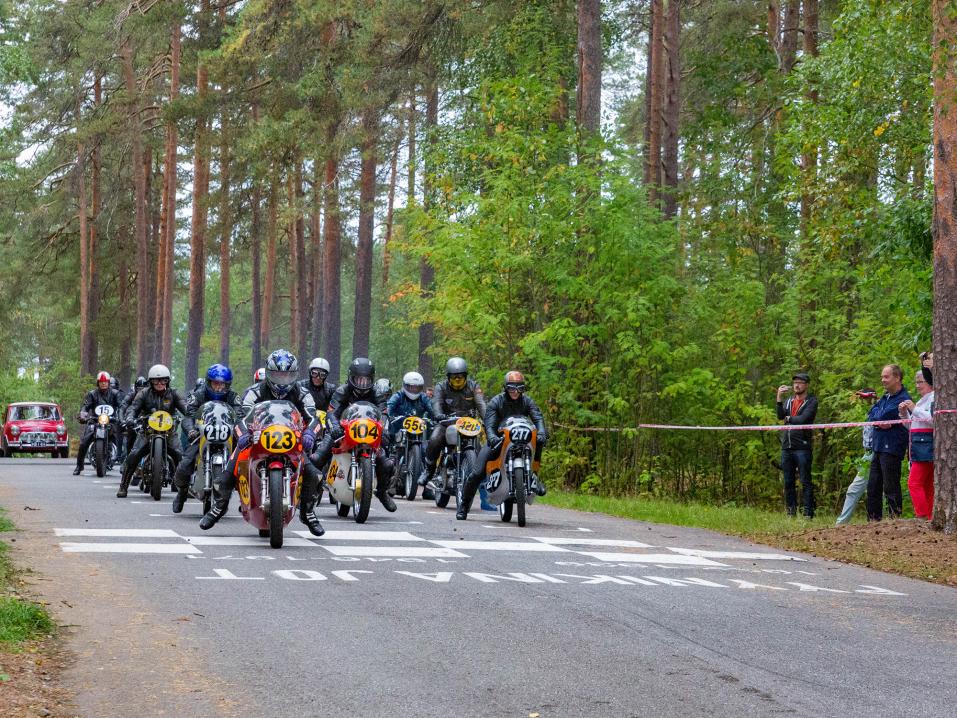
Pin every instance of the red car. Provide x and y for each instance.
(33, 427)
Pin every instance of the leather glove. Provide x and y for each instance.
(336, 431)
(308, 439)
(245, 440)
(193, 435)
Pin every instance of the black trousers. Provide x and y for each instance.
(140, 449)
(184, 469)
(383, 465)
(310, 483)
(435, 446)
(884, 477)
(88, 435)
(489, 452)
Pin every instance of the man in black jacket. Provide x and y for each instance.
(317, 385)
(513, 401)
(800, 408)
(157, 397)
(103, 394)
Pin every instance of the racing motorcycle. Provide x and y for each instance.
(351, 476)
(457, 459)
(156, 469)
(508, 478)
(103, 454)
(269, 469)
(216, 426)
(409, 450)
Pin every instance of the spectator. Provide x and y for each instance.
(920, 481)
(927, 360)
(890, 445)
(800, 408)
(858, 486)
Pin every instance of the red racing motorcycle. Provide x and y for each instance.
(351, 476)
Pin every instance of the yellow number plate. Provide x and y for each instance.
(363, 431)
(244, 489)
(160, 421)
(413, 425)
(277, 439)
(468, 426)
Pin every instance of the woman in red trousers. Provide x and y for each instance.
(920, 482)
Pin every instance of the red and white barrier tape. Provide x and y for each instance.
(781, 427)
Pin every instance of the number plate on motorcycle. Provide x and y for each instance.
(277, 439)
(413, 425)
(321, 415)
(468, 426)
(364, 431)
(160, 421)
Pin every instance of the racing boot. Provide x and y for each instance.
(124, 485)
(427, 473)
(221, 504)
(307, 515)
(538, 486)
(180, 499)
(77, 471)
(387, 502)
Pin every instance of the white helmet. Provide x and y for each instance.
(158, 371)
(413, 384)
(103, 376)
(319, 363)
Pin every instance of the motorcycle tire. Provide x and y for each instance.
(99, 457)
(342, 510)
(518, 483)
(466, 466)
(275, 508)
(505, 510)
(413, 472)
(159, 469)
(362, 501)
(442, 498)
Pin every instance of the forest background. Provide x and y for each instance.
(657, 209)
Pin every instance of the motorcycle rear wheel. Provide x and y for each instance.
(99, 457)
(362, 501)
(518, 483)
(505, 510)
(275, 508)
(159, 468)
(412, 473)
(441, 497)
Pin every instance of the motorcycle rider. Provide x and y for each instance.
(317, 385)
(129, 431)
(456, 396)
(158, 396)
(358, 387)
(102, 394)
(216, 387)
(383, 387)
(513, 401)
(411, 401)
(279, 384)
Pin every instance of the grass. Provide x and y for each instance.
(20, 620)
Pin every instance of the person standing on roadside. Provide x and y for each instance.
(858, 486)
(890, 445)
(920, 480)
(796, 457)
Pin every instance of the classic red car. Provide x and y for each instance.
(32, 427)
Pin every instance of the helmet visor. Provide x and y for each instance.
(319, 374)
(413, 389)
(362, 382)
(515, 386)
(457, 381)
(280, 378)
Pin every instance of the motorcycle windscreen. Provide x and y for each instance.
(268, 413)
(362, 410)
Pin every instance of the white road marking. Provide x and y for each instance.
(735, 554)
(583, 530)
(501, 546)
(394, 551)
(69, 547)
(363, 535)
(242, 541)
(656, 558)
(617, 543)
(122, 533)
(227, 575)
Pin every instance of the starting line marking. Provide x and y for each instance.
(501, 546)
(69, 547)
(393, 551)
(735, 554)
(242, 541)
(363, 535)
(122, 533)
(617, 543)
(656, 558)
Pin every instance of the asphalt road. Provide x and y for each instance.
(417, 614)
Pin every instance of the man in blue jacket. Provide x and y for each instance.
(890, 445)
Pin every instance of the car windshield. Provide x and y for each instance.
(34, 413)
(275, 412)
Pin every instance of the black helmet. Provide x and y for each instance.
(140, 382)
(361, 374)
(114, 383)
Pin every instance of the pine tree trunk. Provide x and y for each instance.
(164, 303)
(197, 263)
(367, 193)
(389, 215)
(143, 269)
(672, 107)
(945, 264)
(126, 368)
(92, 227)
(152, 223)
(295, 303)
(588, 113)
(301, 278)
(272, 237)
(315, 241)
(255, 250)
(426, 270)
(86, 363)
(809, 156)
(410, 194)
(656, 93)
(226, 232)
(331, 269)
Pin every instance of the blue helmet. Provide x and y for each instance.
(218, 372)
(282, 369)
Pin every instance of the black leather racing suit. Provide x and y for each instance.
(145, 403)
(446, 403)
(93, 399)
(193, 406)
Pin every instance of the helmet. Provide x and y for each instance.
(515, 380)
(103, 376)
(319, 368)
(260, 374)
(413, 384)
(457, 372)
(281, 370)
(199, 384)
(361, 374)
(140, 382)
(114, 383)
(158, 371)
(383, 386)
(218, 372)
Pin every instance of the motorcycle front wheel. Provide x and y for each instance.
(275, 508)
(159, 467)
(518, 482)
(505, 510)
(362, 501)
(442, 498)
(99, 457)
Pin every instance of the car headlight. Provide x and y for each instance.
(15, 430)
(60, 429)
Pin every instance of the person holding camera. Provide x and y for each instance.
(890, 445)
(796, 458)
(858, 487)
(920, 480)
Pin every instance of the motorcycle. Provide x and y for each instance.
(351, 477)
(508, 479)
(268, 471)
(156, 469)
(216, 426)
(409, 451)
(457, 459)
(103, 453)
